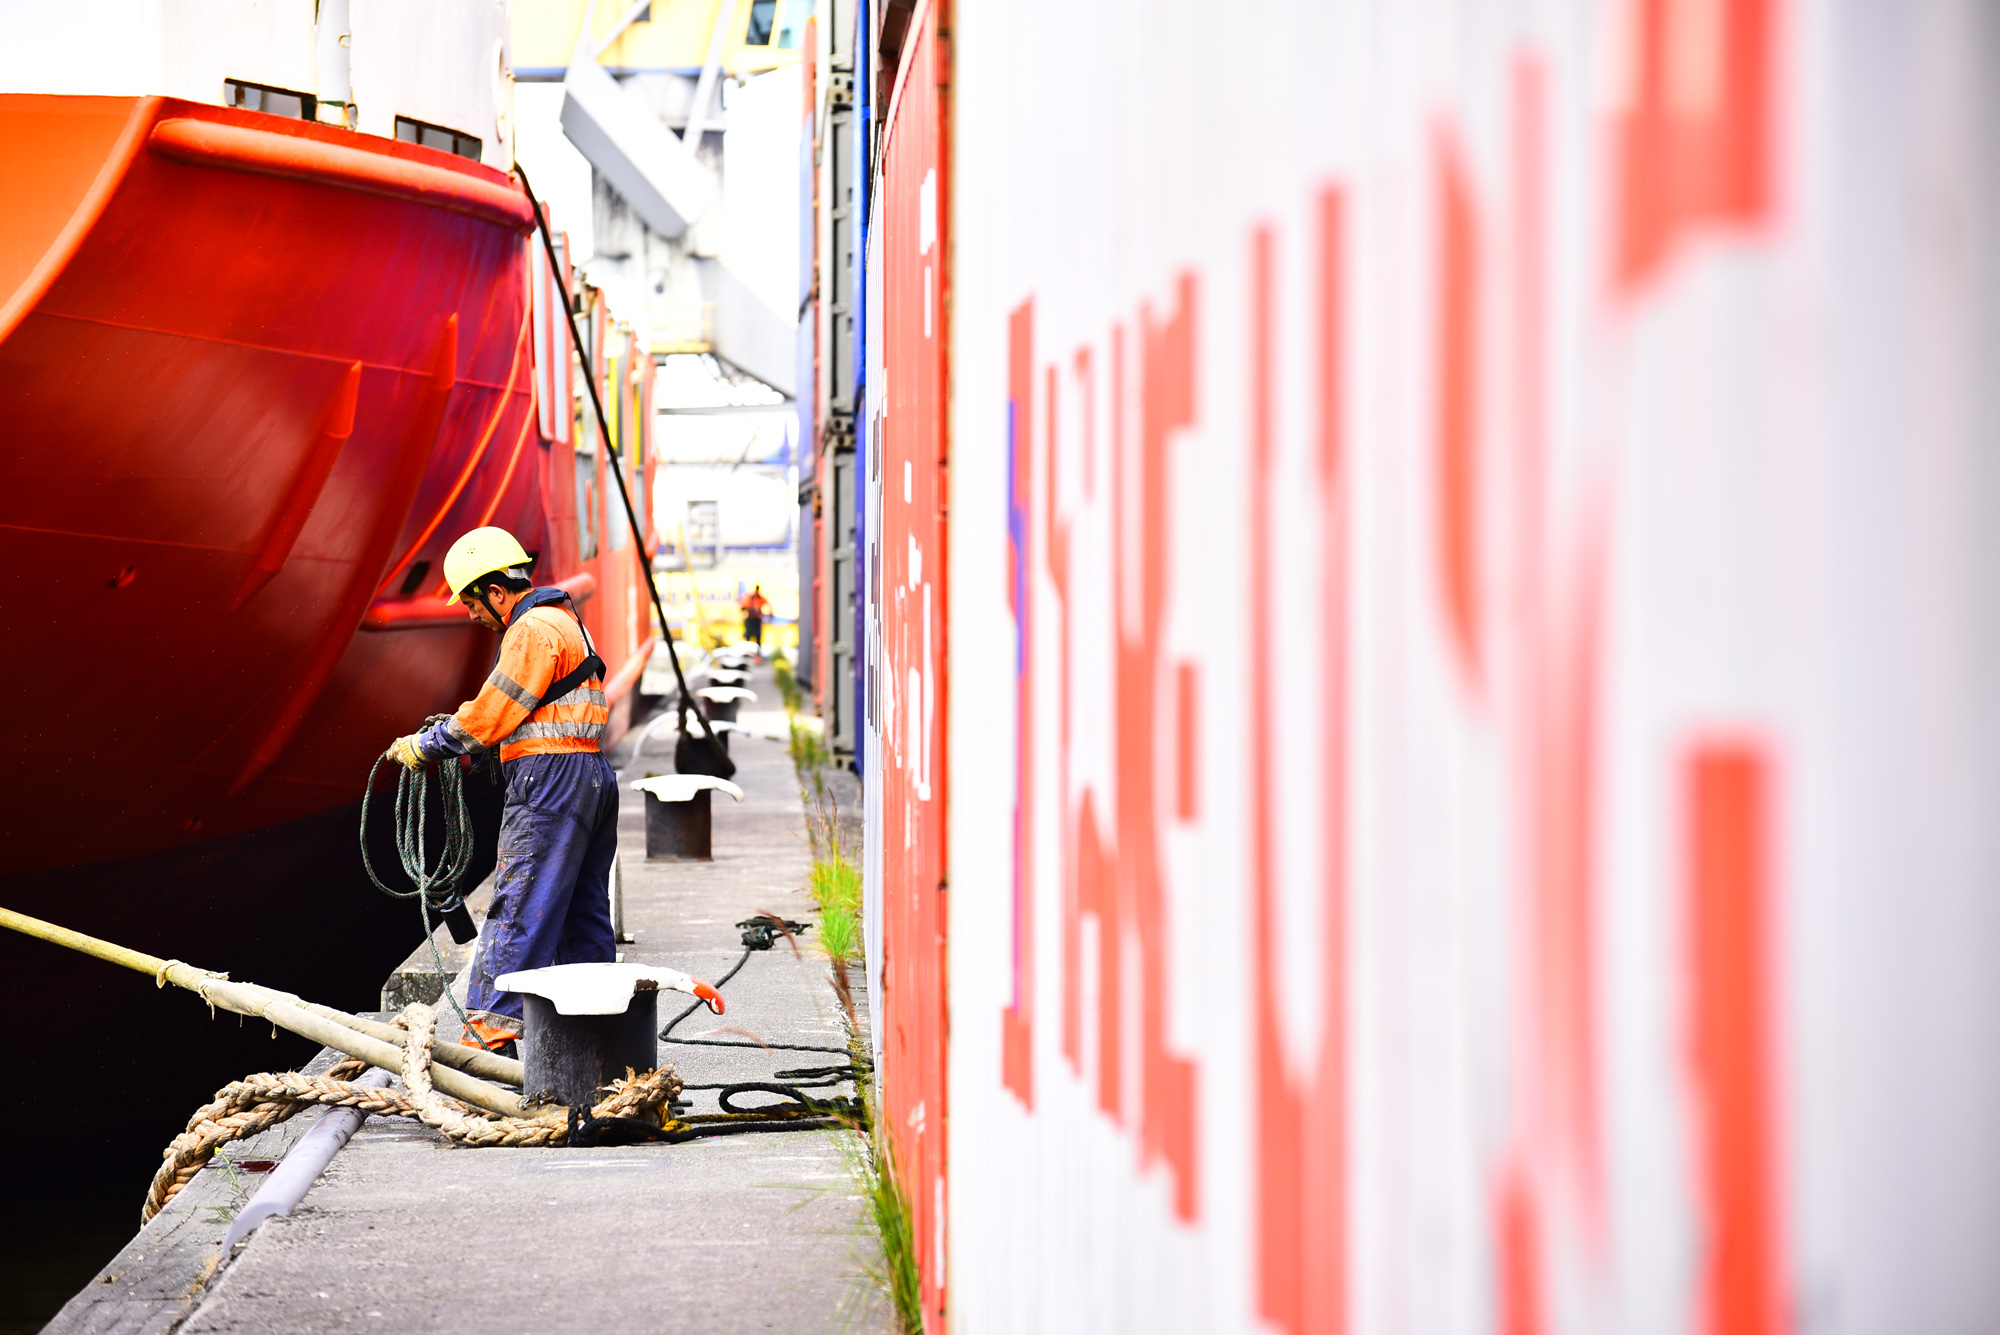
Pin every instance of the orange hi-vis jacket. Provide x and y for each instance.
(542, 645)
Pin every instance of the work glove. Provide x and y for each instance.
(404, 750)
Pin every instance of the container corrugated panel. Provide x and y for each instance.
(910, 890)
(1471, 714)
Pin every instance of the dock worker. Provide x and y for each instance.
(543, 708)
(754, 607)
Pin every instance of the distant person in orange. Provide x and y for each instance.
(754, 607)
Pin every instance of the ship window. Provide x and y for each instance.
(704, 535)
(586, 505)
(618, 527)
(438, 137)
(762, 12)
(272, 101)
(792, 16)
(414, 580)
(639, 463)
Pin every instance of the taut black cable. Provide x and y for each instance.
(719, 756)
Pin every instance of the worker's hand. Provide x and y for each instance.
(404, 751)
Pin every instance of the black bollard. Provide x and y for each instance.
(679, 831)
(568, 1058)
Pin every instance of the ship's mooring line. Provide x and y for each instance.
(245, 1107)
(465, 1073)
(635, 1107)
(468, 1109)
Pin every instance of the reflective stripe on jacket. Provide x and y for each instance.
(544, 642)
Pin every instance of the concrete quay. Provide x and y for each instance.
(758, 1232)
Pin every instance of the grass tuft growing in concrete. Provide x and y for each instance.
(835, 886)
(788, 685)
(894, 1271)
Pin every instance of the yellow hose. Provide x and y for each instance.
(280, 1008)
(90, 945)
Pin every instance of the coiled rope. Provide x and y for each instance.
(440, 887)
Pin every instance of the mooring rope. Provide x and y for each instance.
(255, 1103)
(634, 1107)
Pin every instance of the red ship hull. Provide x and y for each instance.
(232, 407)
(256, 375)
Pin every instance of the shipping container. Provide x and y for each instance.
(1433, 707)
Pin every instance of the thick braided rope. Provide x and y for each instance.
(641, 1096)
(255, 1103)
(242, 1108)
(457, 1122)
(635, 1096)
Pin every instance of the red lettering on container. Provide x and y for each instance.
(1694, 137)
(1302, 1260)
(1457, 404)
(1732, 1031)
(1017, 1032)
(1167, 405)
(1185, 786)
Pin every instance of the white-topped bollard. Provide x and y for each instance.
(586, 1024)
(692, 727)
(679, 821)
(721, 701)
(670, 720)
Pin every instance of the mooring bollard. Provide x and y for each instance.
(678, 815)
(680, 831)
(570, 1057)
(585, 1024)
(721, 727)
(721, 701)
(671, 718)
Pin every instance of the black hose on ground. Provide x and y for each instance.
(800, 1111)
(757, 935)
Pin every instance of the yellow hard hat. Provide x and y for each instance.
(483, 551)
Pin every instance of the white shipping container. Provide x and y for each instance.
(1470, 666)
